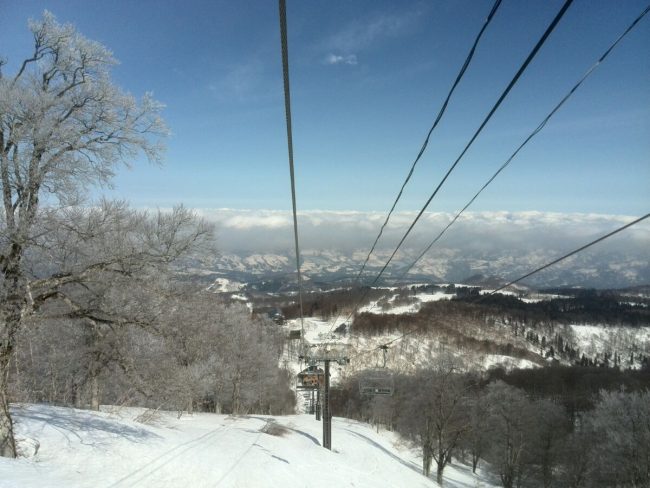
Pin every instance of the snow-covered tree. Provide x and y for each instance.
(435, 413)
(64, 125)
(620, 425)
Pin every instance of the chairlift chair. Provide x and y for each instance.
(311, 378)
(378, 381)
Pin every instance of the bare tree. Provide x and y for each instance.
(477, 436)
(551, 429)
(578, 456)
(436, 413)
(250, 349)
(513, 433)
(63, 126)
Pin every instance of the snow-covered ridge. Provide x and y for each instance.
(451, 265)
(224, 285)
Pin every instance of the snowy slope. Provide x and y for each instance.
(75, 448)
(595, 340)
(405, 354)
(224, 285)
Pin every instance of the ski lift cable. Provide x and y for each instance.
(503, 96)
(576, 251)
(287, 107)
(531, 136)
(441, 112)
(537, 270)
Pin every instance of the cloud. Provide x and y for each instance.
(505, 244)
(361, 34)
(344, 44)
(350, 59)
(247, 222)
(347, 231)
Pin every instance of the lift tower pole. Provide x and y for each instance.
(326, 353)
(327, 413)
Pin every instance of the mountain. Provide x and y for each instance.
(588, 269)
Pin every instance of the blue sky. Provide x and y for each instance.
(367, 80)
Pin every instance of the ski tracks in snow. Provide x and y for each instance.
(240, 458)
(170, 456)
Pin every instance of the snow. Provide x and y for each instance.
(224, 285)
(420, 298)
(433, 297)
(65, 447)
(598, 339)
(507, 362)
(541, 297)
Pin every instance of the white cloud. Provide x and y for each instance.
(361, 34)
(350, 59)
(266, 230)
(498, 243)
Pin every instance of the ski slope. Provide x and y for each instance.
(64, 447)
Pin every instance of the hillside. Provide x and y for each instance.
(590, 327)
(447, 265)
(64, 447)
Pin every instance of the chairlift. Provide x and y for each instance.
(311, 378)
(377, 381)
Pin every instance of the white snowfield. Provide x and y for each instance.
(64, 447)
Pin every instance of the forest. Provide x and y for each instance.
(558, 426)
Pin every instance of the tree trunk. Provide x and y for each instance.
(439, 474)
(7, 441)
(94, 392)
(76, 397)
(426, 460)
(475, 459)
(12, 300)
(236, 393)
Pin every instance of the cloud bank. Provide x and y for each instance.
(346, 231)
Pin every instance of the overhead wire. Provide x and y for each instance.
(535, 132)
(537, 270)
(531, 136)
(501, 98)
(287, 108)
(441, 112)
(576, 251)
(505, 93)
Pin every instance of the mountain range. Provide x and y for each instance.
(588, 269)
